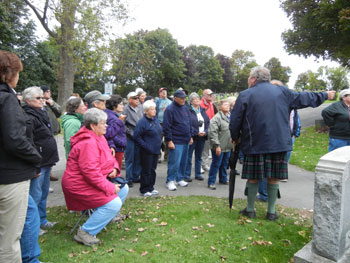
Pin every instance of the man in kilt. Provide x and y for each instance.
(260, 119)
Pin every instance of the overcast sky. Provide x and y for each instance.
(224, 25)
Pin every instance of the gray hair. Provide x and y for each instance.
(94, 116)
(147, 105)
(192, 96)
(31, 92)
(261, 74)
(73, 104)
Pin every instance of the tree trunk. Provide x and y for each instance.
(66, 69)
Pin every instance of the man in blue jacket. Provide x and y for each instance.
(178, 135)
(261, 119)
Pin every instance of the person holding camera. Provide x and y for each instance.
(200, 124)
(220, 144)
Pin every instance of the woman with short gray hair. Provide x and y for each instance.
(148, 135)
(200, 124)
(46, 145)
(72, 120)
(85, 181)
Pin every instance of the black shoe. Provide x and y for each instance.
(248, 214)
(237, 173)
(130, 184)
(272, 217)
(199, 178)
(188, 180)
(136, 181)
(225, 183)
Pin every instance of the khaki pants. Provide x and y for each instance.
(13, 210)
(205, 155)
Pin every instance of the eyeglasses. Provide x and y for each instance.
(39, 98)
(134, 98)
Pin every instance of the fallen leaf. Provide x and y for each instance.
(244, 248)
(43, 239)
(187, 241)
(172, 230)
(141, 229)
(71, 255)
(144, 253)
(163, 224)
(223, 258)
(130, 250)
(248, 221)
(213, 248)
(210, 225)
(158, 245)
(139, 220)
(302, 233)
(195, 228)
(250, 238)
(85, 252)
(286, 242)
(95, 249)
(201, 202)
(127, 229)
(154, 220)
(110, 250)
(256, 230)
(135, 240)
(195, 236)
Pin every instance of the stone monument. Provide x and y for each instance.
(331, 224)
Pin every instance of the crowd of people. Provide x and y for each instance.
(100, 131)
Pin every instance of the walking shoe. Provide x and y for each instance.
(53, 178)
(212, 187)
(155, 192)
(182, 183)
(248, 214)
(48, 225)
(199, 178)
(136, 181)
(147, 194)
(130, 184)
(237, 173)
(202, 171)
(188, 180)
(50, 190)
(272, 217)
(284, 180)
(225, 183)
(205, 168)
(171, 186)
(42, 232)
(85, 238)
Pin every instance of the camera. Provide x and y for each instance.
(200, 123)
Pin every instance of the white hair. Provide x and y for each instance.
(31, 92)
(147, 105)
(94, 116)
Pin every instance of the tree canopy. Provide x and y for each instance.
(320, 28)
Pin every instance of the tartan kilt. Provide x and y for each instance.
(270, 165)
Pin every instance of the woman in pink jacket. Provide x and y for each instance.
(85, 184)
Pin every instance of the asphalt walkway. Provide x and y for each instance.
(298, 192)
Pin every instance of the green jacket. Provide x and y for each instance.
(71, 124)
(337, 118)
(219, 133)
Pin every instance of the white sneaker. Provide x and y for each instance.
(171, 186)
(147, 194)
(50, 190)
(155, 192)
(182, 183)
(202, 171)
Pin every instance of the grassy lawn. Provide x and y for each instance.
(308, 148)
(182, 229)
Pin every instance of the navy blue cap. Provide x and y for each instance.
(180, 94)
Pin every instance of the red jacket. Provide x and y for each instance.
(84, 181)
(209, 108)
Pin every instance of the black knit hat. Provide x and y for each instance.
(45, 88)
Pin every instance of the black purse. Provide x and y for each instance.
(118, 180)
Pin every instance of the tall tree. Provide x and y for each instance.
(278, 71)
(207, 69)
(82, 27)
(338, 78)
(147, 59)
(302, 81)
(320, 28)
(227, 77)
(242, 63)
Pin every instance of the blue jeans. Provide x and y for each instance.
(105, 213)
(218, 163)
(177, 163)
(197, 146)
(132, 161)
(263, 189)
(337, 143)
(39, 190)
(29, 240)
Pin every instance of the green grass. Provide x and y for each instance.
(308, 149)
(182, 229)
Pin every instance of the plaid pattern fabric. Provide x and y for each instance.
(271, 165)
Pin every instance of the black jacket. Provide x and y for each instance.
(44, 140)
(337, 118)
(195, 124)
(18, 156)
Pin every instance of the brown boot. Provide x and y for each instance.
(53, 178)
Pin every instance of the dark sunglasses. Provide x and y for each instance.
(134, 98)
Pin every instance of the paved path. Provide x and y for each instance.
(297, 192)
